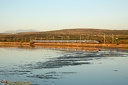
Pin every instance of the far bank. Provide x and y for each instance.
(125, 46)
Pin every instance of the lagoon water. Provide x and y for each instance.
(46, 66)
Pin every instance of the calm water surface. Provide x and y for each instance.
(43, 66)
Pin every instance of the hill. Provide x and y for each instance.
(101, 35)
(89, 31)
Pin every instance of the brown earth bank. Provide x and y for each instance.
(65, 45)
(14, 44)
(83, 45)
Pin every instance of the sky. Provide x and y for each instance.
(45, 15)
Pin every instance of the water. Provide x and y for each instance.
(44, 66)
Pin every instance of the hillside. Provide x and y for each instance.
(118, 36)
(89, 31)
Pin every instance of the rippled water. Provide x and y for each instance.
(43, 66)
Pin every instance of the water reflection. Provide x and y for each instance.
(50, 64)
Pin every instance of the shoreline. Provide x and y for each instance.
(64, 45)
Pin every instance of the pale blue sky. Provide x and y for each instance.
(45, 15)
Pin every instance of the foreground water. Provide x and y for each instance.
(43, 66)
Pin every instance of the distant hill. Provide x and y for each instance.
(19, 31)
(72, 34)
